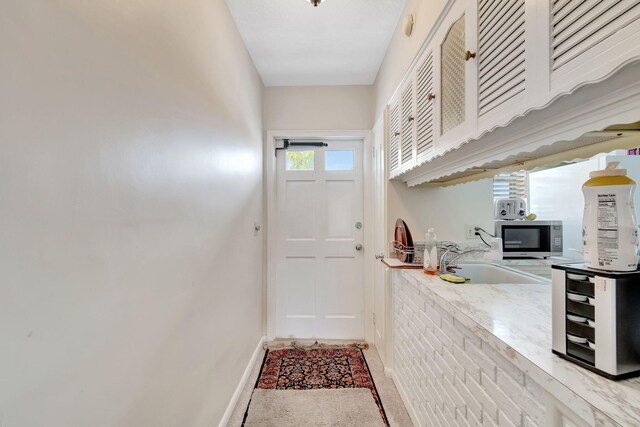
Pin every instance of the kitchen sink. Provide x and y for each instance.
(491, 274)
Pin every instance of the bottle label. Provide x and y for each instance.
(608, 233)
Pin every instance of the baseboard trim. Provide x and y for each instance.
(243, 382)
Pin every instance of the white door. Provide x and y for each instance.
(320, 262)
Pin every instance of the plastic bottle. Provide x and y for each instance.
(609, 224)
(430, 252)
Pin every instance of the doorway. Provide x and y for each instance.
(319, 236)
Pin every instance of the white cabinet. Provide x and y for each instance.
(407, 126)
(411, 120)
(491, 61)
(453, 78)
(402, 130)
(425, 101)
(394, 139)
(501, 53)
(590, 40)
(501, 61)
(456, 74)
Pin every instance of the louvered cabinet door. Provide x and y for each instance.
(455, 70)
(394, 139)
(407, 126)
(591, 39)
(501, 55)
(425, 99)
(453, 77)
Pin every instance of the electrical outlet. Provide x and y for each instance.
(470, 231)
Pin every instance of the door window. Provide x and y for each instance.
(300, 160)
(339, 160)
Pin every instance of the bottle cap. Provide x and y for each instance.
(610, 170)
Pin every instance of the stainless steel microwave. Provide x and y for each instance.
(530, 239)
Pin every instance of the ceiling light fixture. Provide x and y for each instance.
(315, 3)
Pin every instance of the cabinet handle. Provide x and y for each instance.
(469, 55)
(396, 133)
(411, 118)
(430, 96)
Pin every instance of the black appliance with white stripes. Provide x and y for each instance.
(596, 319)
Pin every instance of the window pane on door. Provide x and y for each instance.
(338, 160)
(300, 160)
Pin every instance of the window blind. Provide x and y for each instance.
(514, 184)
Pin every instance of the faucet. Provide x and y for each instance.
(444, 264)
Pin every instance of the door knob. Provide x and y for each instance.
(358, 247)
(380, 256)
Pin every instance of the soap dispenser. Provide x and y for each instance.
(430, 252)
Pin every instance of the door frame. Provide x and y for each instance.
(270, 144)
(379, 171)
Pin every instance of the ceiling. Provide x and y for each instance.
(341, 42)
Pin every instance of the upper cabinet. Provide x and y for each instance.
(394, 138)
(501, 55)
(453, 78)
(590, 39)
(425, 100)
(411, 130)
(407, 125)
(491, 61)
(455, 46)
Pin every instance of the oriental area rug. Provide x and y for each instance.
(308, 369)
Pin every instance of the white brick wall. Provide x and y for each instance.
(449, 376)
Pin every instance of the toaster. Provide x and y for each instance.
(511, 208)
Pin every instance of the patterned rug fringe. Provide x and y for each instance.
(300, 346)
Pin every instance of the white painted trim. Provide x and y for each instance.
(270, 197)
(243, 382)
(379, 232)
(369, 245)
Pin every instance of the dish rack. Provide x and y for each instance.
(415, 253)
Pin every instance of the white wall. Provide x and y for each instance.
(130, 178)
(556, 194)
(446, 209)
(318, 108)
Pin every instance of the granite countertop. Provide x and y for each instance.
(515, 319)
